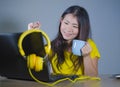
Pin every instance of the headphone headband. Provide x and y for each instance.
(24, 34)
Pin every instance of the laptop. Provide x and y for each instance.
(13, 65)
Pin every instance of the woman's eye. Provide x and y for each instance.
(75, 26)
(66, 23)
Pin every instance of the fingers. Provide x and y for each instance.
(34, 25)
(30, 26)
(86, 49)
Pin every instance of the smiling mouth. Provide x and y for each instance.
(67, 34)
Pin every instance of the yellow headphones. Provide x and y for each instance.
(33, 61)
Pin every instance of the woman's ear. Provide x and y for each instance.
(61, 19)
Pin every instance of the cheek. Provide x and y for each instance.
(62, 25)
(75, 32)
(62, 28)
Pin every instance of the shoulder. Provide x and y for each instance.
(95, 52)
(91, 42)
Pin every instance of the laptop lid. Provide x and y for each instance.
(12, 64)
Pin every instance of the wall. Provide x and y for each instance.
(104, 17)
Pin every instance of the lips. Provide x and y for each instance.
(67, 34)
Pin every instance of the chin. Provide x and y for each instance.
(66, 39)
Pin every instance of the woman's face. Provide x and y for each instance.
(69, 27)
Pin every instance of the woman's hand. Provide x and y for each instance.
(86, 49)
(34, 25)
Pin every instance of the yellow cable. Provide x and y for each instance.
(60, 80)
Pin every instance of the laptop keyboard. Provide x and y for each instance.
(60, 76)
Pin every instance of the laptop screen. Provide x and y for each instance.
(12, 64)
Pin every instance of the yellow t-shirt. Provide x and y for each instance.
(67, 67)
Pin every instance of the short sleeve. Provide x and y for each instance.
(95, 52)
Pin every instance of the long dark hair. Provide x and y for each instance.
(59, 44)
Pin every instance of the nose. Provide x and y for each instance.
(69, 28)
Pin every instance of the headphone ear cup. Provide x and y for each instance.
(38, 64)
(31, 61)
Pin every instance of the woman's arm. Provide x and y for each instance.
(90, 64)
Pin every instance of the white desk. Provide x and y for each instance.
(106, 81)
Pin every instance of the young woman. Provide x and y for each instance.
(74, 24)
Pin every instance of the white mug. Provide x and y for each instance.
(76, 47)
